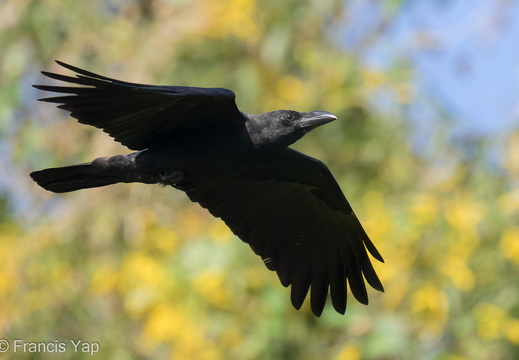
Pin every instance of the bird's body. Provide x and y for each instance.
(285, 205)
(212, 157)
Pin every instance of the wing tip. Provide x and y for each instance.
(341, 309)
(66, 66)
(318, 311)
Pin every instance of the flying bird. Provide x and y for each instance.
(287, 206)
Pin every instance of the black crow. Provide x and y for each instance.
(287, 206)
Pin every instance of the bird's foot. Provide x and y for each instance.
(171, 177)
(177, 179)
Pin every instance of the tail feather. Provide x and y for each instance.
(71, 178)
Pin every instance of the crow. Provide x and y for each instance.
(287, 206)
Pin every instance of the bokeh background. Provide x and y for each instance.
(426, 149)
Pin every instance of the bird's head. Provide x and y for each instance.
(282, 128)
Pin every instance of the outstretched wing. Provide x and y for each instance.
(139, 115)
(293, 214)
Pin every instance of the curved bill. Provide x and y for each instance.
(316, 118)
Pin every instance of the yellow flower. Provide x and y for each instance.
(380, 224)
(510, 244)
(490, 320)
(425, 208)
(162, 238)
(430, 307)
(165, 323)
(210, 284)
(349, 352)
(178, 326)
(511, 330)
(231, 18)
(103, 279)
(291, 90)
(141, 280)
(455, 267)
(463, 213)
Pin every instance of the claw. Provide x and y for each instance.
(172, 176)
(177, 179)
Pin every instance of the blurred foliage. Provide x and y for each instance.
(147, 274)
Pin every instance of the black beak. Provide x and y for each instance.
(316, 118)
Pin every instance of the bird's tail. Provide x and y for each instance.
(71, 178)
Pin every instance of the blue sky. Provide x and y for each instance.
(464, 54)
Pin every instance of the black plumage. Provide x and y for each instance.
(287, 206)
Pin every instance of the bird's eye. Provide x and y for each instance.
(288, 117)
